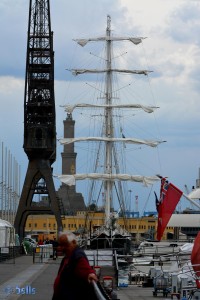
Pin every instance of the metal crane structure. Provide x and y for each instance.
(39, 120)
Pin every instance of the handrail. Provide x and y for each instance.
(98, 257)
(116, 267)
(98, 292)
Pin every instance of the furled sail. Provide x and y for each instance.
(71, 179)
(134, 40)
(110, 166)
(65, 141)
(82, 71)
(70, 108)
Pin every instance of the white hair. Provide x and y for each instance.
(69, 235)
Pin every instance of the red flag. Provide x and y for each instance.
(195, 259)
(169, 198)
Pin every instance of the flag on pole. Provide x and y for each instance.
(169, 198)
(195, 259)
(157, 201)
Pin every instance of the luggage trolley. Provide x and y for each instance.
(161, 285)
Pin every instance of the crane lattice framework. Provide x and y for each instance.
(39, 119)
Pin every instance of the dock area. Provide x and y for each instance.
(23, 279)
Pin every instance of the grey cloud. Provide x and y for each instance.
(69, 19)
(79, 19)
(184, 23)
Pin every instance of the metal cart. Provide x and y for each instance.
(161, 285)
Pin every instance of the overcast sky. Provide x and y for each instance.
(172, 51)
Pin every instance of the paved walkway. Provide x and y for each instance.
(24, 280)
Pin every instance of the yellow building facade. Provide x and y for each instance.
(42, 226)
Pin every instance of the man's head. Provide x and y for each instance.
(67, 241)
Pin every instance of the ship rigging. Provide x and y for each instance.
(111, 177)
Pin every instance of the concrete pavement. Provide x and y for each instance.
(25, 280)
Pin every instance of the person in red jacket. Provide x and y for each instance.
(73, 281)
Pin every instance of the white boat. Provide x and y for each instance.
(107, 179)
(156, 248)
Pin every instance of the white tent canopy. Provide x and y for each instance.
(4, 223)
(6, 234)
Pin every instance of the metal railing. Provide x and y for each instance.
(100, 257)
(8, 254)
(116, 267)
(43, 253)
(99, 291)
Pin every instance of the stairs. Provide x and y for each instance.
(105, 260)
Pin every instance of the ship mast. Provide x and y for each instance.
(108, 122)
(109, 176)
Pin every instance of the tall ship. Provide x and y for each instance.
(110, 150)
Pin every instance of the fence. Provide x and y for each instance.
(43, 253)
(8, 254)
(100, 257)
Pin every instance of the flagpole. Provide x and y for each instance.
(192, 201)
